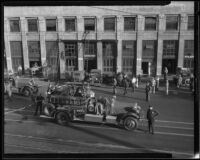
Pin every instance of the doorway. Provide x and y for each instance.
(171, 65)
(145, 66)
(90, 64)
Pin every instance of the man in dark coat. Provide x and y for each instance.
(39, 100)
(125, 85)
(147, 90)
(151, 114)
(114, 85)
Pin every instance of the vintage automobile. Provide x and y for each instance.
(96, 76)
(66, 109)
(25, 86)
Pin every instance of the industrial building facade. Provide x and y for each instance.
(131, 39)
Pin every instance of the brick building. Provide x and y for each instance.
(132, 39)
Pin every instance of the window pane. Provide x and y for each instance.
(14, 26)
(149, 49)
(51, 52)
(171, 22)
(32, 25)
(109, 24)
(34, 50)
(190, 22)
(89, 24)
(170, 49)
(70, 25)
(51, 24)
(90, 48)
(150, 23)
(129, 23)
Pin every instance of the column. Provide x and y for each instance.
(161, 28)
(119, 43)
(62, 59)
(140, 29)
(100, 55)
(7, 44)
(183, 28)
(24, 30)
(80, 31)
(42, 30)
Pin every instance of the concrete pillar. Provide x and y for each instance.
(119, 43)
(161, 29)
(80, 56)
(140, 29)
(100, 28)
(7, 44)
(42, 39)
(183, 28)
(62, 59)
(149, 68)
(80, 27)
(100, 55)
(24, 30)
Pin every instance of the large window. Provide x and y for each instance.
(150, 23)
(170, 48)
(109, 24)
(16, 54)
(51, 52)
(70, 24)
(149, 49)
(172, 22)
(129, 23)
(34, 52)
(190, 22)
(32, 25)
(14, 25)
(71, 56)
(109, 56)
(128, 54)
(189, 54)
(89, 24)
(90, 48)
(50, 25)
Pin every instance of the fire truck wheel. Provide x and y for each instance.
(130, 123)
(62, 118)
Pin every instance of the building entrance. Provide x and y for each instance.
(90, 64)
(145, 67)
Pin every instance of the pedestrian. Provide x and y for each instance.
(180, 79)
(167, 87)
(147, 89)
(114, 85)
(9, 90)
(112, 105)
(192, 82)
(165, 73)
(19, 70)
(153, 85)
(39, 101)
(139, 78)
(157, 83)
(134, 83)
(33, 98)
(125, 85)
(151, 114)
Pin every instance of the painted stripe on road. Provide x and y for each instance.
(86, 126)
(97, 144)
(164, 121)
(17, 109)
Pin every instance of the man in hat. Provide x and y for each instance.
(151, 114)
(39, 100)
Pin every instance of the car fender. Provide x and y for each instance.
(123, 116)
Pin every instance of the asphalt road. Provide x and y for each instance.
(25, 133)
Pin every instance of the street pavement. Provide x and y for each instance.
(25, 133)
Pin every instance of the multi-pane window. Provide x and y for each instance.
(190, 22)
(129, 23)
(128, 53)
(109, 24)
(172, 22)
(150, 23)
(89, 24)
(189, 54)
(149, 49)
(70, 24)
(32, 25)
(50, 24)
(71, 56)
(34, 52)
(51, 52)
(109, 50)
(16, 54)
(90, 48)
(170, 48)
(14, 25)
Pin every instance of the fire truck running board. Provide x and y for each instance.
(99, 118)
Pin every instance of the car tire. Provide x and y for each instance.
(26, 92)
(130, 123)
(62, 118)
(48, 109)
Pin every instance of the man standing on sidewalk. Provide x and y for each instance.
(125, 85)
(114, 85)
(151, 114)
(147, 89)
(134, 83)
(39, 101)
